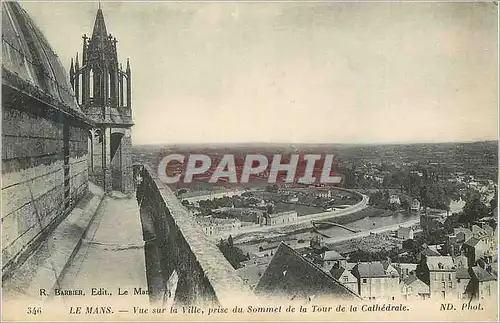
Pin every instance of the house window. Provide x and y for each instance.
(449, 276)
(450, 284)
(364, 280)
(346, 279)
(409, 290)
(443, 285)
(458, 280)
(443, 294)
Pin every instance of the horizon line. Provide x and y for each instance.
(318, 143)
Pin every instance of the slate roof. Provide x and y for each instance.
(482, 275)
(440, 263)
(369, 270)
(289, 274)
(331, 255)
(463, 273)
(429, 252)
(472, 242)
(410, 279)
(337, 272)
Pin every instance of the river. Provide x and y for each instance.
(364, 224)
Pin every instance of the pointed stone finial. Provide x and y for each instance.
(72, 73)
(128, 65)
(77, 64)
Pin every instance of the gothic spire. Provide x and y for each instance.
(99, 26)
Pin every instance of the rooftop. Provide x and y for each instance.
(369, 270)
(330, 255)
(440, 263)
(481, 274)
(290, 274)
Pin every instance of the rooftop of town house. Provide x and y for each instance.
(477, 230)
(409, 279)
(216, 221)
(338, 272)
(462, 230)
(472, 242)
(331, 255)
(369, 270)
(429, 252)
(440, 263)
(481, 274)
(290, 274)
(463, 273)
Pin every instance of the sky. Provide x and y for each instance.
(302, 72)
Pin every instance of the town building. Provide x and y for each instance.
(463, 279)
(439, 272)
(426, 252)
(415, 205)
(215, 226)
(323, 193)
(329, 258)
(374, 282)
(405, 233)
(482, 283)
(394, 199)
(345, 277)
(455, 240)
(413, 288)
(461, 261)
(474, 249)
(281, 218)
(405, 269)
(289, 275)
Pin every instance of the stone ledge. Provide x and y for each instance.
(44, 268)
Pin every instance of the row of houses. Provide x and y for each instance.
(435, 277)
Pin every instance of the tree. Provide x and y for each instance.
(405, 204)
(473, 209)
(376, 198)
(272, 188)
(233, 254)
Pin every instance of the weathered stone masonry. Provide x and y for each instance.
(175, 242)
(44, 139)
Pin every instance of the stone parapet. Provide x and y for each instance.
(204, 275)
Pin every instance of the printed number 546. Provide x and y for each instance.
(35, 310)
